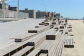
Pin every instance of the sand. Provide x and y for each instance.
(78, 32)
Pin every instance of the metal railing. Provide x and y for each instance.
(12, 14)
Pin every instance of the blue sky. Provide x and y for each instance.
(68, 8)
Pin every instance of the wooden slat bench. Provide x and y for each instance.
(25, 51)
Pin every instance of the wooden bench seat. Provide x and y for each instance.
(24, 51)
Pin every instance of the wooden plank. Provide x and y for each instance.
(68, 43)
(43, 54)
(23, 51)
(14, 46)
(51, 35)
(40, 38)
(23, 37)
(38, 30)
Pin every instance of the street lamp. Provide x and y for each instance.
(18, 5)
(17, 10)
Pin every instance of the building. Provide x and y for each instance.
(6, 6)
(26, 10)
(40, 14)
(32, 13)
(0, 6)
(58, 15)
(13, 8)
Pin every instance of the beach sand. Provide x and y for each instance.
(78, 32)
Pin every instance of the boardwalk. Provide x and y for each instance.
(12, 29)
(41, 39)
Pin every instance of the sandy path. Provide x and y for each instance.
(78, 32)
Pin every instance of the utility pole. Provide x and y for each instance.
(18, 5)
(17, 9)
(45, 9)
